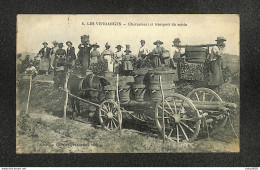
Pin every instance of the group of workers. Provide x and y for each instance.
(121, 61)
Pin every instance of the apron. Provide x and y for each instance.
(109, 62)
(215, 74)
(44, 64)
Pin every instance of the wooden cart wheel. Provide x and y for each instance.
(181, 118)
(216, 120)
(110, 115)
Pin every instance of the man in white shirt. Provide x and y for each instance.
(143, 51)
(215, 74)
(175, 54)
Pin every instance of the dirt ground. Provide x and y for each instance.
(45, 130)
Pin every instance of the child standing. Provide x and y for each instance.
(127, 64)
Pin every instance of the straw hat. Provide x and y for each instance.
(45, 43)
(220, 39)
(176, 40)
(119, 46)
(158, 42)
(95, 45)
(107, 45)
(69, 42)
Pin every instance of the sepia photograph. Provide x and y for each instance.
(127, 83)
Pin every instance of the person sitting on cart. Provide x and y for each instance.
(59, 67)
(215, 64)
(127, 64)
(108, 55)
(45, 58)
(157, 54)
(118, 59)
(70, 57)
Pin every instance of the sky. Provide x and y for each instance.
(34, 29)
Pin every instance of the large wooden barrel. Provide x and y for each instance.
(155, 91)
(139, 76)
(196, 54)
(167, 76)
(124, 93)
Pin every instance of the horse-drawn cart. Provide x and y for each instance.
(151, 99)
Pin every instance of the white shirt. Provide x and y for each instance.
(175, 49)
(143, 50)
(215, 51)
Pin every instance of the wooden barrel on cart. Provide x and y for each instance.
(139, 91)
(195, 54)
(124, 93)
(155, 91)
(167, 76)
(139, 76)
(110, 92)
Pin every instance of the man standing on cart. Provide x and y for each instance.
(45, 58)
(59, 67)
(175, 56)
(215, 64)
(53, 52)
(84, 53)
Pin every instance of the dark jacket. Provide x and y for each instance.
(48, 50)
(71, 53)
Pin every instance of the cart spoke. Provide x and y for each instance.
(108, 124)
(203, 96)
(170, 133)
(187, 127)
(184, 133)
(115, 120)
(177, 129)
(197, 96)
(114, 123)
(170, 106)
(111, 125)
(212, 97)
(165, 110)
(105, 107)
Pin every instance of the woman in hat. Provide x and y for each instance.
(108, 54)
(157, 54)
(118, 59)
(127, 64)
(215, 74)
(59, 66)
(94, 54)
(71, 56)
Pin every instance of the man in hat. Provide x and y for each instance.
(53, 52)
(157, 54)
(45, 58)
(108, 55)
(59, 66)
(215, 74)
(84, 53)
(175, 54)
(71, 56)
(118, 59)
(143, 51)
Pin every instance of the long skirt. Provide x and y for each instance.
(44, 64)
(215, 74)
(156, 62)
(109, 62)
(127, 65)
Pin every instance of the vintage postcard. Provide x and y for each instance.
(153, 83)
